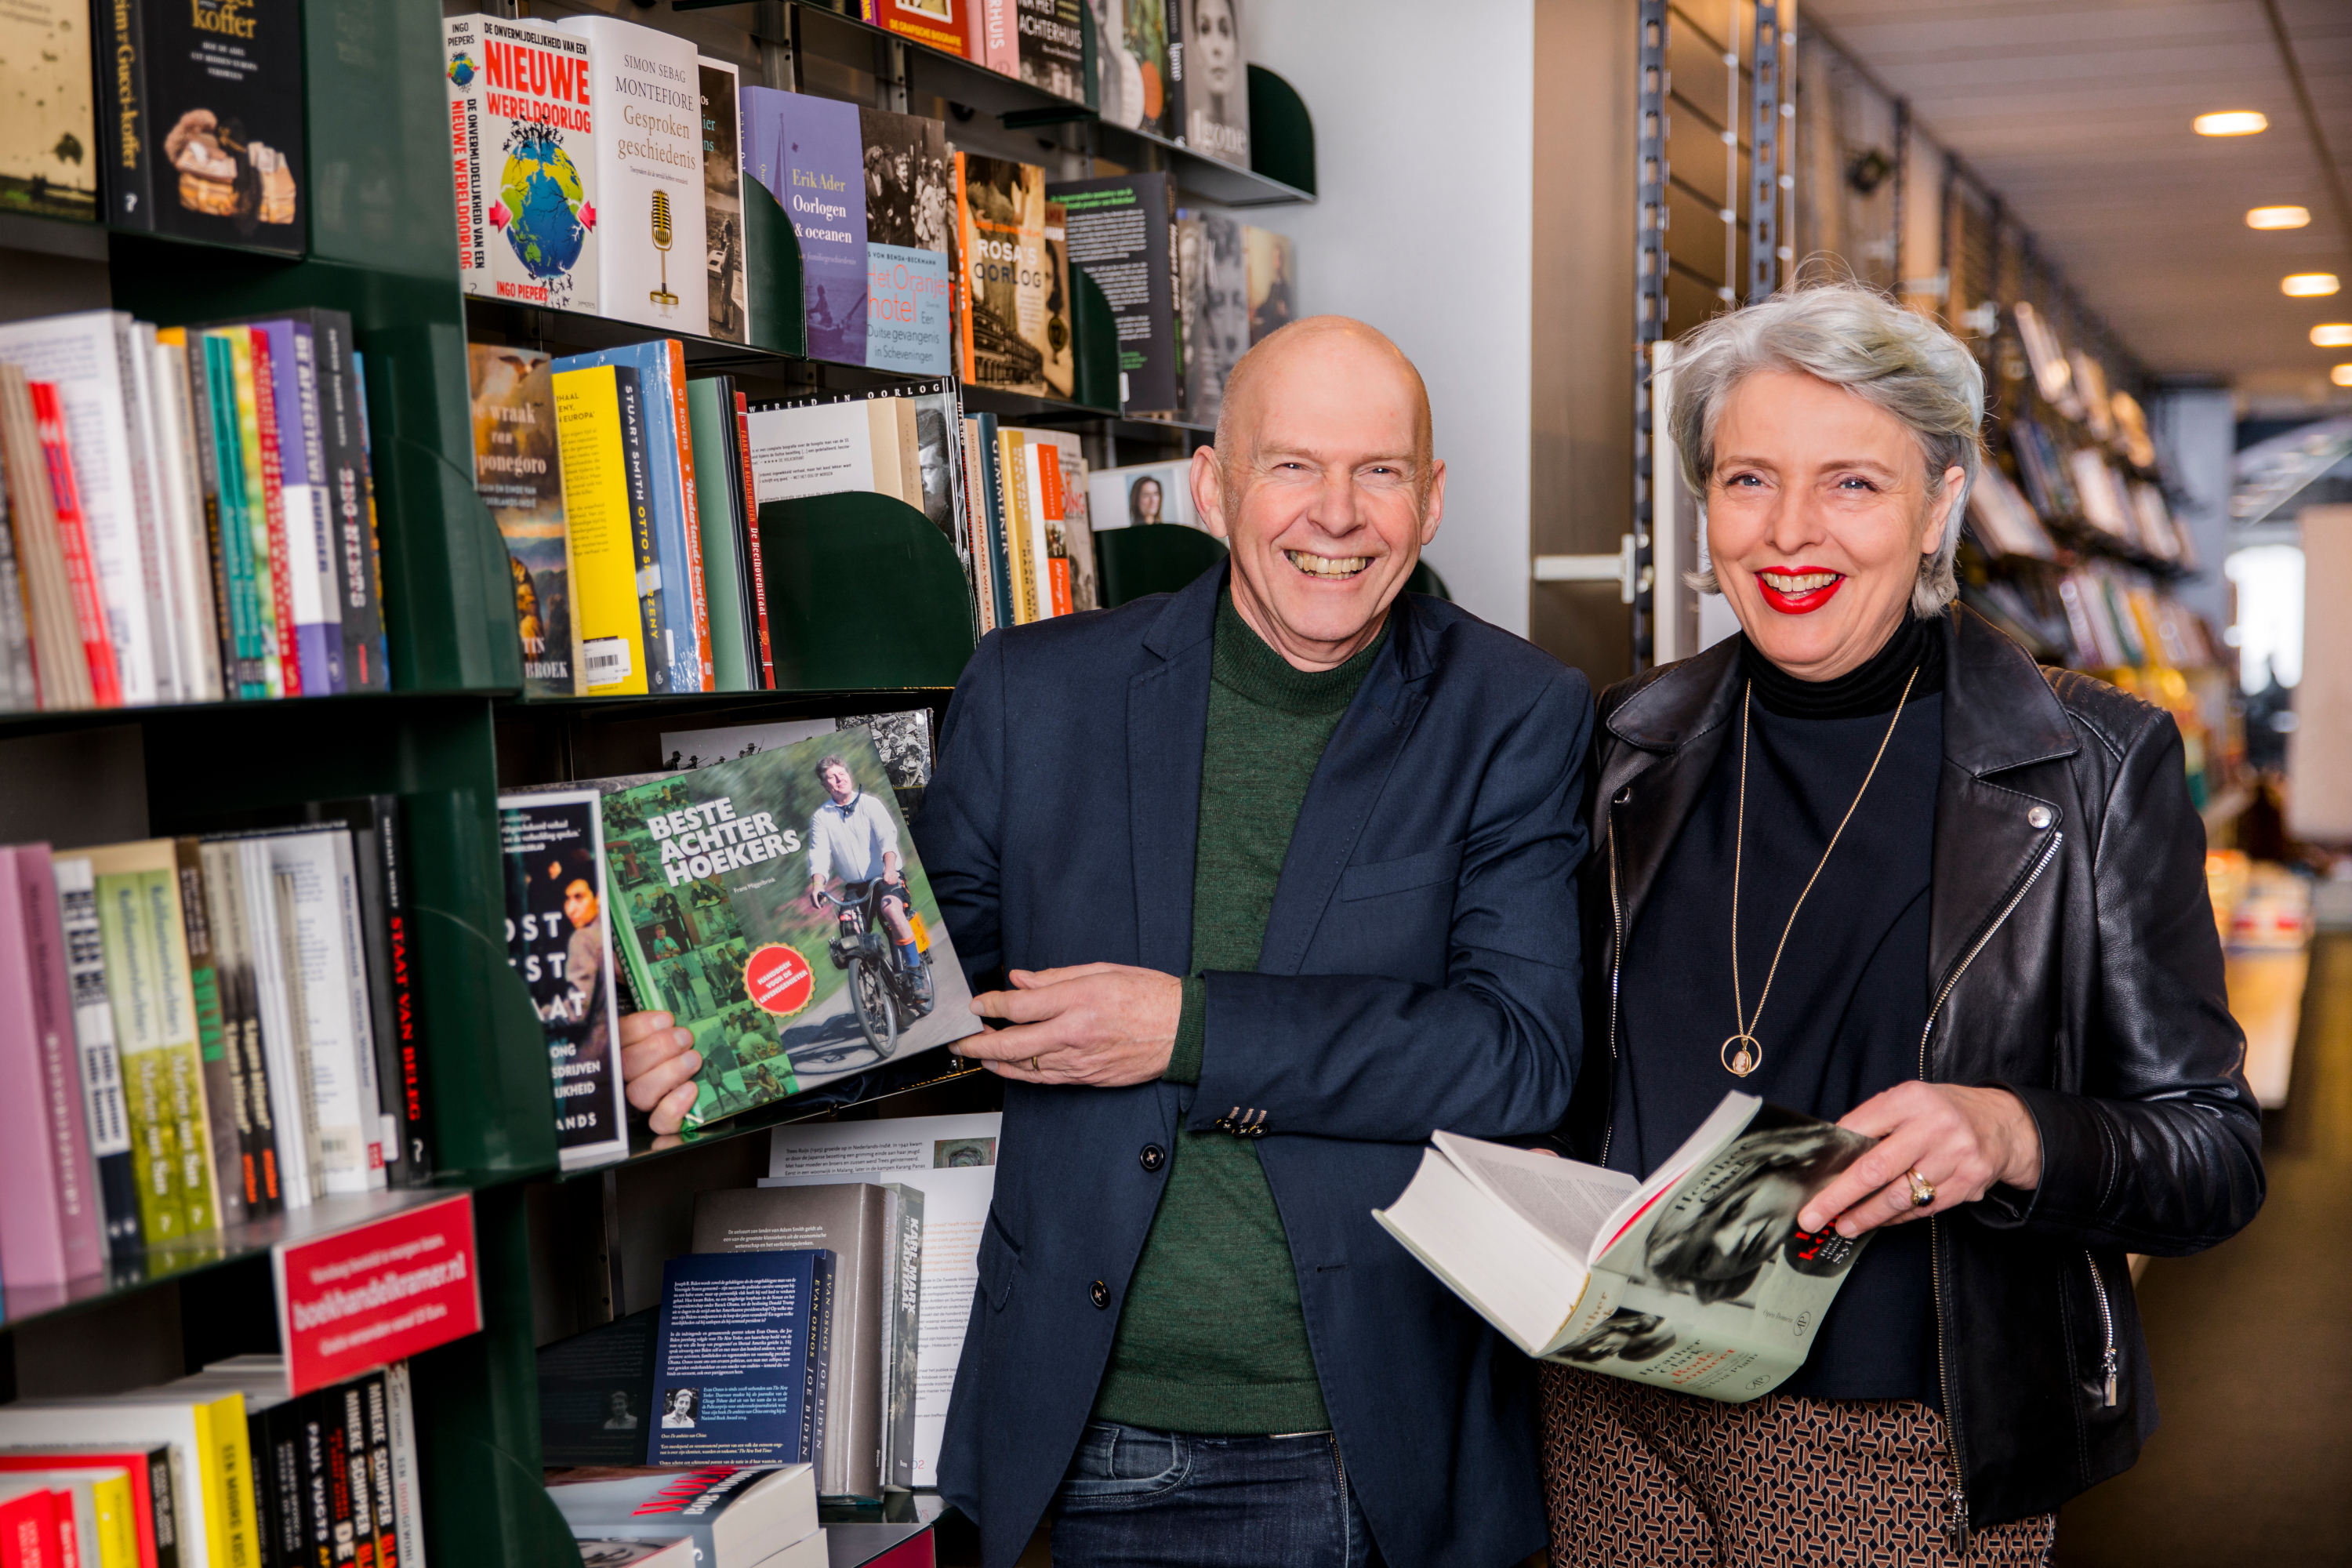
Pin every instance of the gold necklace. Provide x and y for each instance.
(1750, 1055)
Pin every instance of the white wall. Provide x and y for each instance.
(1425, 165)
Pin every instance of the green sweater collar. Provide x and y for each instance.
(1246, 666)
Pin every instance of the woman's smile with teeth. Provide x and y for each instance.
(1328, 565)
(1788, 583)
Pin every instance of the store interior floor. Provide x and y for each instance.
(2253, 1348)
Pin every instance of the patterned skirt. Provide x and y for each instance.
(1639, 1475)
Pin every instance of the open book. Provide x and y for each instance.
(1697, 1279)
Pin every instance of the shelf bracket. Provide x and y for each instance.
(1622, 569)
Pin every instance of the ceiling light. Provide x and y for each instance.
(2341, 375)
(2334, 335)
(2278, 217)
(2309, 285)
(2231, 122)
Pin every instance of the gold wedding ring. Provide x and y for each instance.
(1033, 1064)
(1923, 1191)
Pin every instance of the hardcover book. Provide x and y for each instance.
(1697, 1279)
(776, 906)
(559, 940)
(1048, 43)
(1211, 79)
(49, 147)
(1214, 275)
(519, 468)
(739, 1368)
(737, 1516)
(870, 196)
(608, 509)
(202, 110)
(1015, 284)
(649, 179)
(723, 199)
(50, 1228)
(1270, 264)
(1122, 233)
(1131, 85)
(523, 133)
(727, 576)
(943, 24)
(1145, 493)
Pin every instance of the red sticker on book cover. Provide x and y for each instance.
(779, 979)
(364, 1295)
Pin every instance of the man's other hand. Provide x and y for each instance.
(658, 1062)
(1103, 1025)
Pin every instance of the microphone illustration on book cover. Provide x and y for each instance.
(662, 296)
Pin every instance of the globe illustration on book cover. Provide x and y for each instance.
(541, 208)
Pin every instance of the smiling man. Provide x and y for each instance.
(1266, 880)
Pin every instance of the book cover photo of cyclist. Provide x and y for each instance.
(775, 906)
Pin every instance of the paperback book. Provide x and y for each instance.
(1015, 291)
(723, 200)
(1214, 273)
(48, 146)
(1131, 85)
(559, 940)
(522, 125)
(1211, 79)
(775, 905)
(1122, 232)
(648, 181)
(1697, 1279)
(740, 1370)
(519, 469)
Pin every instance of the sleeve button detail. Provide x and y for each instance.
(1100, 1294)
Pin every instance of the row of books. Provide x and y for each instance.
(194, 1032)
(188, 514)
(220, 1467)
(917, 258)
(2075, 385)
(193, 126)
(2085, 482)
(2099, 616)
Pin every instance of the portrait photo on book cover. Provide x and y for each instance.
(1719, 1240)
(680, 1406)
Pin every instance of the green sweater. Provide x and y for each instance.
(1212, 1338)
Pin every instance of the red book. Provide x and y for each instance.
(752, 536)
(150, 1475)
(28, 1526)
(73, 541)
(273, 496)
(693, 515)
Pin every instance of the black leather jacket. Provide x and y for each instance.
(2075, 963)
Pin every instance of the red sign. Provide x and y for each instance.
(375, 1292)
(779, 978)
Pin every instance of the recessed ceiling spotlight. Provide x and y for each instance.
(2277, 217)
(2309, 285)
(2334, 335)
(2341, 375)
(2231, 122)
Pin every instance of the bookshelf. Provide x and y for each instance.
(455, 728)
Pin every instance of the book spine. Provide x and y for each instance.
(710, 425)
(815, 1345)
(390, 990)
(254, 505)
(233, 960)
(357, 608)
(463, 40)
(181, 1045)
(318, 1481)
(127, 177)
(229, 1128)
(751, 538)
(359, 1019)
(79, 1208)
(1000, 36)
(975, 527)
(210, 381)
(644, 542)
(1000, 521)
(73, 539)
(905, 1360)
(322, 637)
(227, 1466)
(388, 1553)
(697, 595)
(353, 1398)
(133, 991)
(342, 1500)
(20, 689)
(28, 1531)
(178, 444)
(282, 565)
(135, 414)
(599, 526)
(1019, 525)
(406, 1497)
(285, 1035)
(62, 670)
(105, 1114)
(278, 1485)
(32, 1208)
(366, 646)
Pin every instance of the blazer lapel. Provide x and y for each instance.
(1347, 784)
(1167, 732)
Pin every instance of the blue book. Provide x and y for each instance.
(871, 196)
(677, 574)
(739, 1362)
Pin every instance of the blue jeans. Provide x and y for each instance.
(1135, 1498)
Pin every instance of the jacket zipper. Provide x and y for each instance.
(2111, 1362)
(1616, 966)
(1956, 1527)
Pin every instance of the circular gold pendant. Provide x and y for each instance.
(1742, 1054)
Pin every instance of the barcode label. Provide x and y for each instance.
(605, 660)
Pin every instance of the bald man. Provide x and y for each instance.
(1265, 882)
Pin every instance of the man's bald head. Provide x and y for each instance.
(1313, 348)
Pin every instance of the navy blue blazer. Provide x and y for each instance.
(1420, 971)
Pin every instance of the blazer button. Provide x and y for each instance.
(1224, 1124)
(1257, 1129)
(2040, 817)
(1153, 1156)
(1100, 1293)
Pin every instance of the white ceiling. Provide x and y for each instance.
(2077, 113)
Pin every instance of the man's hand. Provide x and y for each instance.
(1103, 1025)
(1960, 1142)
(658, 1062)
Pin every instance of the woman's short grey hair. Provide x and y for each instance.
(1857, 338)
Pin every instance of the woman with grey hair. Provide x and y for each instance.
(1870, 862)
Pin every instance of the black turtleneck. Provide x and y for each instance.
(1850, 999)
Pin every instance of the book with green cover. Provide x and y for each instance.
(775, 905)
(710, 418)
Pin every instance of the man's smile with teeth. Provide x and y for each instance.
(1784, 583)
(1328, 565)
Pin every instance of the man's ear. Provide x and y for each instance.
(1434, 510)
(1208, 480)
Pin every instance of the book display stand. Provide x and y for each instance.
(870, 612)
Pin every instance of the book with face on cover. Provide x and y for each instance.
(713, 873)
(519, 469)
(1211, 79)
(560, 941)
(1697, 1279)
(1214, 275)
(1015, 284)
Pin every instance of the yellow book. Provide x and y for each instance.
(256, 502)
(157, 1034)
(1011, 464)
(225, 1472)
(117, 1534)
(612, 658)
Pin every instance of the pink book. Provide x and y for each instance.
(49, 1230)
(999, 43)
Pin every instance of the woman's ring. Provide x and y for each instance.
(1923, 1191)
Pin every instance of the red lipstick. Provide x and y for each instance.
(1803, 603)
